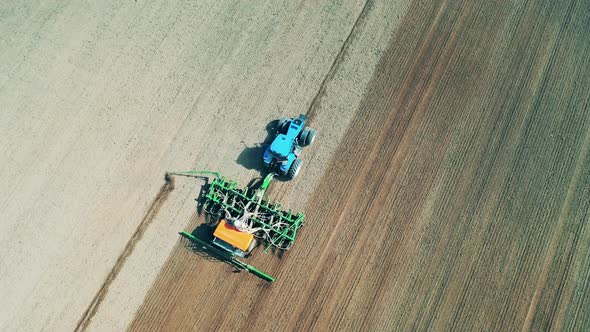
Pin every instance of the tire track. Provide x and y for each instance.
(152, 211)
(315, 103)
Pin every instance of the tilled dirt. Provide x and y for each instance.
(447, 190)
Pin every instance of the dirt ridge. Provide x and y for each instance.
(313, 106)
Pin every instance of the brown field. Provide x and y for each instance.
(448, 189)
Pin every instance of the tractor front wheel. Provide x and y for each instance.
(303, 136)
(307, 136)
(310, 137)
(294, 169)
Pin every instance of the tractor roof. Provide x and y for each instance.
(281, 146)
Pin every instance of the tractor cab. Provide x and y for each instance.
(230, 239)
(281, 147)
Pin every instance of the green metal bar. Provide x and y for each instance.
(228, 257)
(266, 183)
(259, 273)
(193, 173)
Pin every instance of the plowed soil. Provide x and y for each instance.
(448, 188)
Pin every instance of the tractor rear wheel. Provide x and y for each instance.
(303, 136)
(307, 136)
(294, 169)
(310, 137)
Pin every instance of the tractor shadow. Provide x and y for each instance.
(251, 156)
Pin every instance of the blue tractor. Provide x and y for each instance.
(281, 156)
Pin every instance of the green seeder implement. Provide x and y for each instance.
(244, 219)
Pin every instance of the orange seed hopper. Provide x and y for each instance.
(233, 236)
